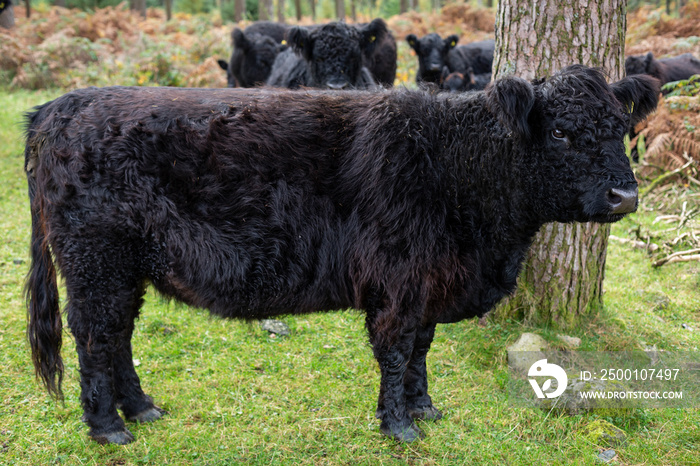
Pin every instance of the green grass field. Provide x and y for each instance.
(236, 395)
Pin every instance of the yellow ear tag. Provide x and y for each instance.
(373, 38)
(284, 42)
(630, 107)
(453, 43)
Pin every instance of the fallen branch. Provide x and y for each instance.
(681, 256)
(663, 177)
(635, 243)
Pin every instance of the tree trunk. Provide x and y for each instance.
(562, 280)
(297, 7)
(280, 11)
(238, 10)
(265, 10)
(168, 10)
(340, 10)
(7, 15)
(403, 6)
(313, 10)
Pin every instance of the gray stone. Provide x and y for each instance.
(571, 342)
(275, 326)
(607, 456)
(525, 352)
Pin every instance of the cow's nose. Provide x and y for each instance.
(337, 85)
(434, 67)
(622, 201)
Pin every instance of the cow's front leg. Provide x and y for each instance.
(418, 401)
(392, 344)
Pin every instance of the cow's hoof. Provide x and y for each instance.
(425, 413)
(149, 415)
(405, 434)
(120, 437)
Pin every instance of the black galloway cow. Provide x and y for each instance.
(416, 208)
(330, 56)
(665, 70)
(254, 52)
(431, 51)
(460, 82)
(435, 53)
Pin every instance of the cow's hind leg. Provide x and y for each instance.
(101, 309)
(418, 401)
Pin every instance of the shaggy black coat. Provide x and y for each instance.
(477, 56)
(254, 52)
(330, 56)
(435, 54)
(431, 51)
(665, 70)
(416, 208)
(460, 82)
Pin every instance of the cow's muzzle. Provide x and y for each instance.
(622, 201)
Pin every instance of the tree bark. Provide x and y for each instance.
(238, 10)
(562, 279)
(168, 10)
(340, 10)
(297, 7)
(7, 14)
(280, 11)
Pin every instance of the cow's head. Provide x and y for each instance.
(639, 64)
(259, 52)
(571, 129)
(334, 51)
(431, 51)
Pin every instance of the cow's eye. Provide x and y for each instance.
(558, 134)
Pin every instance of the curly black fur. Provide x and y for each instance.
(665, 69)
(415, 207)
(435, 54)
(329, 56)
(254, 52)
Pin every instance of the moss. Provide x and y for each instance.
(604, 434)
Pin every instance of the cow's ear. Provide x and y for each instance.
(239, 40)
(300, 41)
(512, 99)
(648, 59)
(451, 41)
(223, 64)
(372, 33)
(412, 41)
(638, 94)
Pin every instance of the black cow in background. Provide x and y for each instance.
(328, 56)
(460, 82)
(254, 52)
(435, 53)
(666, 70)
(431, 51)
(415, 207)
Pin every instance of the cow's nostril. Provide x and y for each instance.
(622, 201)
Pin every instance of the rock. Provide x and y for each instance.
(571, 342)
(572, 403)
(607, 456)
(276, 327)
(525, 352)
(603, 433)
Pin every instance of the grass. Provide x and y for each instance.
(236, 395)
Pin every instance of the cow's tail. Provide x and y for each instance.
(44, 329)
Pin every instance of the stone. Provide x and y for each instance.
(525, 352)
(604, 434)
(571, 342)
(607, 456)
(276, 327)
